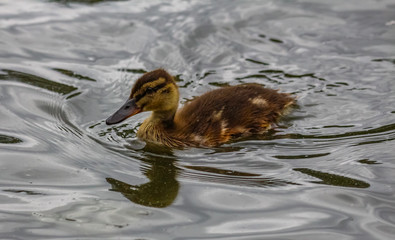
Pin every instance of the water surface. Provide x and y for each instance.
(325, 173)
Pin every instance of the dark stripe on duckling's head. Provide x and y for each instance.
(149, 90)
(151, 80)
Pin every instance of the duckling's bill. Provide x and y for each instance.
(128, 109)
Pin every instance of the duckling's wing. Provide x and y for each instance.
(222, 114)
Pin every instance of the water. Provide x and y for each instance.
(325, 173)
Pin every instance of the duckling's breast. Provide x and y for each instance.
(159, 133)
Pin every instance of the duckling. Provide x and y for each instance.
(212, 119)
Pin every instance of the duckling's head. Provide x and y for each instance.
(155, 91)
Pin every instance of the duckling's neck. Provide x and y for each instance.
(164, 118)
(157, 125)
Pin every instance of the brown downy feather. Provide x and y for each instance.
(229, 113)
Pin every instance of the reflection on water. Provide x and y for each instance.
(390, 60)
(160, 191)
(326, 171)
(23, 191)
(9, 139)
(36, 81)
(73, 74)
(162, 188)
(333, 179)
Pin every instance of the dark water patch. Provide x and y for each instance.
(119, 226)
(178, 78)
(272, 39)
(222, 171)
(9, 139)
(342, 83)
(333, 179)
(37, 81)
(338, 126)
(132, 70)
(72, 74)
(219, 84)
(262, 35)
(96, 124)
(386, 139)
(304, 156)
(390, 60)
(256, 61)
(88, 2)
(73, 95)
(330, 86)
(276, 40)
(28, 192)
(70, 220)
(205, 74)
(271, 71)
(369, 162)
(186, 84)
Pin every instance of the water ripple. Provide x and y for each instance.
(325, 172)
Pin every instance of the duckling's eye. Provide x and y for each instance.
(150, 90)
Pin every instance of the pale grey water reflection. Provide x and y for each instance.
(325, 173)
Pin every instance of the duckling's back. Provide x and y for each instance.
(231, 112)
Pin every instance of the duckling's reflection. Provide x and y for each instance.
(161, 190)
